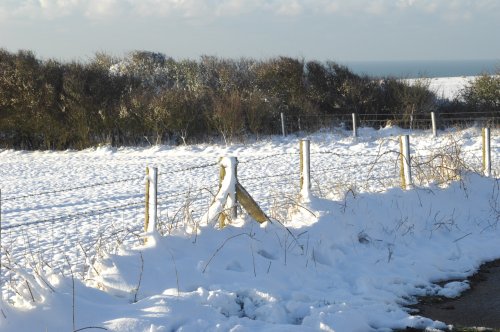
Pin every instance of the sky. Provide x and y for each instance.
(340, 30)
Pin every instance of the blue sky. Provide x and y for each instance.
(341, 30)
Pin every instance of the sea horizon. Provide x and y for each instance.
(423, 68)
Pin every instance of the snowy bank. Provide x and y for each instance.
(348, 262)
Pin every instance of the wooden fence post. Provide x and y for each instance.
(305, 169)
(434, 127)
(406, 181)
(486, 151)
(354, 125)
(146, 208)
(1, 285)
(283, 124)
(151, 214)
(231, 203)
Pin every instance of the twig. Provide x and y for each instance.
(176, 273)
(140, 278)
(460, 238)
(220, 248)
(73, 291)
(253, 260)
(29, 289)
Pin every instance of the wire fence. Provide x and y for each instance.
(82, 222)
(422, 121)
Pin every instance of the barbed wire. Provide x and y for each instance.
(244, 161)
(446, 151)
(73, 188)
(75, 215)
(273, 184)
(93, 185)
(354, 153)
(469, 113)
(489, 118)
(471, 150)
(186, 192)
(269, 176)
(453, 145)
(188, 169)
(344, 166)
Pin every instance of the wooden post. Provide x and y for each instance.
(305, 169)
(406, 181)
(1, 285)
(151, 199)
(283, 124)
(249, 204)
(434, 127)
(486, 151)
(354, 126)
(146, 208)
(231, 205)
(222, 174)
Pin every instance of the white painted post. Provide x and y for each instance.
(146, 208)
(354, 125)
(486, 151)
(152, 199)
(230, 204)
(283, 124)
(231, 199)
(434, 127)
(305, 169)
(1, 285)
(406, 162)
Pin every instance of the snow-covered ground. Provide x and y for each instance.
(446, 87)
(348, 259)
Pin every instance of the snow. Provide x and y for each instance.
(349, 258)
(446, 87)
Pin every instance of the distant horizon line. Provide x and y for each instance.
(261, 57)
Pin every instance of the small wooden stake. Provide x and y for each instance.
(1, 294)
(283, 124)
(434, 126)
(486, 151)
(146, 211)
(406, 180)
(151, 199)
(354, 125)
(305, 169)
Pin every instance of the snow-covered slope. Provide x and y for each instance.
(447, 87)
(348, 260)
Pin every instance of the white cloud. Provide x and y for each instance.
(332, 7)
(57, 8)
(97, 9)
(233, 7)
(289, 8)
(377, 7)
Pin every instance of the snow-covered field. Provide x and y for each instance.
(447, 87)
(348, 259)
